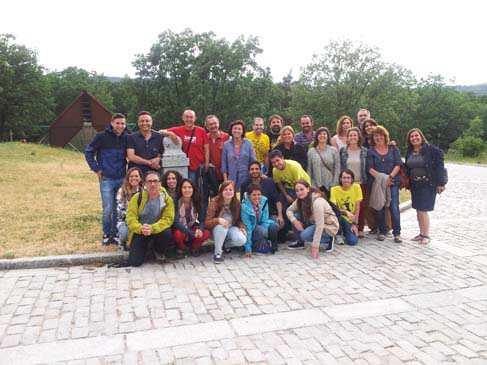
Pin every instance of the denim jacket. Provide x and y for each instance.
(363, 160)
(434, 163)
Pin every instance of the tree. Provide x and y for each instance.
(202, 72)
(25, 103)
(66, 85)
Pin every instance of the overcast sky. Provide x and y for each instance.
(427, 36)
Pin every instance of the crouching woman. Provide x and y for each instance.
(150, 215)
(223, 219)
(313, 218)
(255, 216)
(187, 226)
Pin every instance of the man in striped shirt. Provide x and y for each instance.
(307, 135)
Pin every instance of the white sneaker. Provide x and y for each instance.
(339, 239)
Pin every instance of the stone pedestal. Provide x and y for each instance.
(174, 158)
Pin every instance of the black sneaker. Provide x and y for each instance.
(114, 240)
(331, 245)
(106, 240)
(296, 246)
(218, 259)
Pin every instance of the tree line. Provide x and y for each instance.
(212, 75)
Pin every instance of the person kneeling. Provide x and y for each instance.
(347, 196)
(223, 217)
(150, 215)
(313, 218)
(188, 211)
(255, 215)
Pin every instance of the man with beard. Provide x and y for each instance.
(362, 116)
(307, 134)
(216, 140)
(275, 126)
(260, 141)
(274, 197)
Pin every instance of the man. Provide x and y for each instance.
(286, 173)
(106, 156)
(362, 116)
(260, 141)
(307, 134)
(195, 144)
(216, 139)
(274, 198)
(149, 218)
(275, 126)
(144, 147)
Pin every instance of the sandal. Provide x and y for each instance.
(425, 240)
(418, 238)
(361, 234)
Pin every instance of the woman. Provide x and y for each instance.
(369, 126)
(255, 216)
(188, 209)
(323, 162)
(353, 157)
(223, 218)
(347, 196)
(339, 140)
(237, 154)
(171, 180)
(132, 184)
(427, 177)
(312, 218)
(383, 165)
(291, 150)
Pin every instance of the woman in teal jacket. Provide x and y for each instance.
(255, 216)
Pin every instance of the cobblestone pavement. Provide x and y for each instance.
(376, 303)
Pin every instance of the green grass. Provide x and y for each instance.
(50, 204)
(456, 157)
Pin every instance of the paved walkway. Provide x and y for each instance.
(377, 303)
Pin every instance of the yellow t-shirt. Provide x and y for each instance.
(261, 144)
(346, 200)
(292, 172)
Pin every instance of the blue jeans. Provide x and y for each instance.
(260, 233)
(108, 190)
(395, 214)
(346, 230)
(123, 231)
(307, 234)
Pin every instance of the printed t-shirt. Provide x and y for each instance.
(292, 172)
(346, 199)
(261, 144)
(197, 150)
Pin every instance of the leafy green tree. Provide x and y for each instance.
(25, 103)
(202, 72)
(66, 85)
(475, 128)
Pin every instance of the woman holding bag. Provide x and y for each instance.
(323, 162)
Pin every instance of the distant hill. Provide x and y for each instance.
(479, 89)
(114, 78)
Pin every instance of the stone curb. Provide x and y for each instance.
(86, 259)
(405, 206)
(63, 260)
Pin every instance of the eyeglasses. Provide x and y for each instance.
(152, 181)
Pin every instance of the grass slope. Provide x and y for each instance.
(51, 202)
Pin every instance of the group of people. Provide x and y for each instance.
(246, 190)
